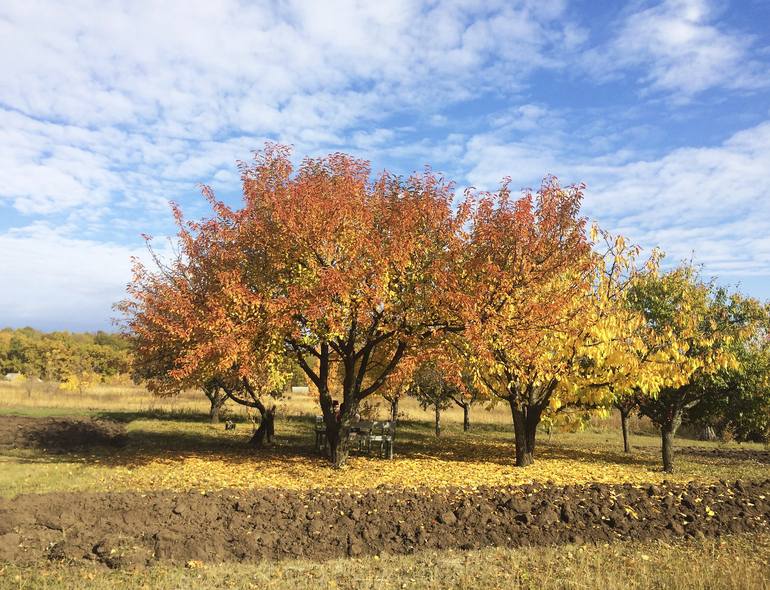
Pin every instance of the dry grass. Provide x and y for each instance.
(47, 399)
(738, 562)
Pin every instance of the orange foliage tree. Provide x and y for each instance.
(322, 264)
(193, 325)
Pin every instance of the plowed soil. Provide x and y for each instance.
(59, 434)
(135, 530)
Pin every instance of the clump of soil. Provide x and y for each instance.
(134, 530)
(59, 434)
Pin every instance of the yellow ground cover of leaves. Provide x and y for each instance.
(182, 455)
(458, 460)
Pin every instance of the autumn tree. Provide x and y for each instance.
(737, 399)
(465, 397)
(189, 326)
(322, 263)
(360, 269)
(430, 387)
(626, 402)
(699, 322)
(525, 268)
(543, 305)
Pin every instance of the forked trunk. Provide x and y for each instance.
(338, 434)
(217, 398)
(266, 429)
(216, 409)
(525, 421)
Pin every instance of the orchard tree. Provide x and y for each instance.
(736, 399)
(190, 328)
(465, 397)
(700, 322)
(359, 269)
(324, 264)
(626, 402)
(543, 305)
(524, 268)
(430, 387)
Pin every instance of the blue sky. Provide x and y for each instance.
(108, 110)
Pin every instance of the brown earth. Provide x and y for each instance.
(135, 530)
(58, 434)
(752, 455)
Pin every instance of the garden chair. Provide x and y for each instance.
(381, 434)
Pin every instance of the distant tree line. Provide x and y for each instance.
(63, 356)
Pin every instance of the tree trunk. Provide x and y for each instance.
(525, 421)
(668, 431)
(438, 419)
(466, 417)
(216, 407)
(624, 426)
(217, 399)
(266, 429)
(394, 410)
(339, 445)
(338, 433)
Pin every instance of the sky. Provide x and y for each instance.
(109, 110)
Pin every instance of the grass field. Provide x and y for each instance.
(170, 445)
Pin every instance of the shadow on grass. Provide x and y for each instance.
(171, 435)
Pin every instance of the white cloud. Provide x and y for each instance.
(137, 101)
(680, 50)
(713, 201)
(55, 282)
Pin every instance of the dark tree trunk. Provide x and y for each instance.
(525, 421)
(266, 429)
(466, 417)
(394, 410)
(339, 445)
(338, 435)
(355, 364)
(624, 413)
(216, 409)
(668, 431)
(437, 408)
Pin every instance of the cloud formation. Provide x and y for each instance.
(680, 49)
(109, 110)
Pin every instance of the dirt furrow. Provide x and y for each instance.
(132, 529)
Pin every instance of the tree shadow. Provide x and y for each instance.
(171, 436)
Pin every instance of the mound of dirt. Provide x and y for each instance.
(753, 455)
(131, 529)
(59, 434)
